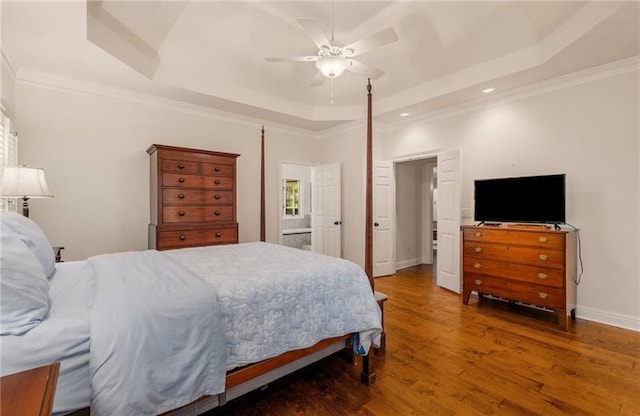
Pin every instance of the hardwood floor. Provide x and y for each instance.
(444, 358)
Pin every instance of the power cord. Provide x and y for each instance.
(577, 281)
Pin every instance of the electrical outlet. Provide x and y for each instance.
(466, 212)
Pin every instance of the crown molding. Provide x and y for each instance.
(7, 55)
(43, 79)
(591, 75)
(587, 76)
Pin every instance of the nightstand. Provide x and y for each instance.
(29, 392)
(58, 253)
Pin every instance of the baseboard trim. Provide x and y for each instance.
(604, 317)
(408, 263)
(425, 260)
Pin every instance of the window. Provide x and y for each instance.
(8, 155)
(292, 200)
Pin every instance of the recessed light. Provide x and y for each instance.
(488, 90)
(404, 114)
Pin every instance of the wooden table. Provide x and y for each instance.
(29, 392)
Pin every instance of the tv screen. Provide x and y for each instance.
(531, 199)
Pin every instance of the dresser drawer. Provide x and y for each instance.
(194, 155)
(216, 169)
(512, 253)
(514, 271)
(545, 296)
(197, 237)
(196, 181)
(196, 197)
(544, 239)
(192, 214)
(182, 166)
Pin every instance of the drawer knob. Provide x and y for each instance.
(181, 180)
(477, 266)
(542, 276)
(478, 282)
(217, 213)
(180, 196)
(181, 213)
(543, 257)
(478, 249)
(478, 234)
(217, 182)
(543, 239)
(180, 165)
(543, 295)
(218, 234)
(217, 168)
(216, 196)
(183, 237)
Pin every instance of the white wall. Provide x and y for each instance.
(93, 150)
(591, 133)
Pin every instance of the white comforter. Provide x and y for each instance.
(275, 299)
(156, 338)
(166, 326)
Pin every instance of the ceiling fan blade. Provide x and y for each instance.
(364, 69)
(318, 79)
(293, 58)
(312, 27)
(376, 40)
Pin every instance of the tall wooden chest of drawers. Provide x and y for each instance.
(535, 266)
(193, 198)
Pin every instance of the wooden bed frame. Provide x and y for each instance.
(250, 377)
(245, 379)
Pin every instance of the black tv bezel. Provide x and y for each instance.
(528, 220)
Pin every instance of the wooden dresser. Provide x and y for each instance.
(535, 266)
(193, 198)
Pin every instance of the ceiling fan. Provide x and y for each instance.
(332, 60)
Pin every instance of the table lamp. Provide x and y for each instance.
(24, 182)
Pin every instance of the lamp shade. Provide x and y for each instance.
(332, 66)
(24, 182)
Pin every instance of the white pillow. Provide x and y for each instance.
(33, 236)
(24, 288)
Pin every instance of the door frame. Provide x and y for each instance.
(428, 154)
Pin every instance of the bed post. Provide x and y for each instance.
(368, 236)
(368, 375)
(262, 207)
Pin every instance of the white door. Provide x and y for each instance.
(326, 237)
(383, 203)
(448, 262)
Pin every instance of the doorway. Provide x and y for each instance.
(413, 232)
(296, 206)
(416, 209)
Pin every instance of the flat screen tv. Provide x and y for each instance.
(528, 199)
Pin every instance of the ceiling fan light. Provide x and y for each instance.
(332, 66)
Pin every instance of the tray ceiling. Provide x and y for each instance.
(212, 53)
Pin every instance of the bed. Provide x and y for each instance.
(179, 331)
